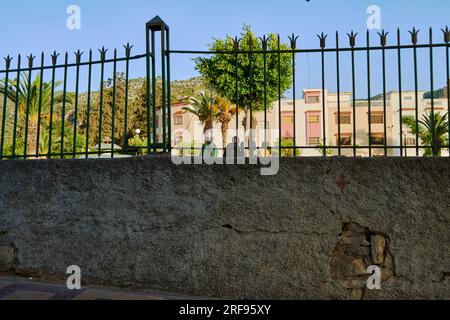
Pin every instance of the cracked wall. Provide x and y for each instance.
(226, 231)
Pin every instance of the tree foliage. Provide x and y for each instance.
(136, 116)
(31, 99)
(431, 125)
(219, 70)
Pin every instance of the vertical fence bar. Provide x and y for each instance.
(147, 67)
(264, 42)
(78, 55)
(41, 83)
(414, 34)
(88, 109)
(280, 133)
(16, 107)
(169, 93)
(63, 111)
(236, 52)
(113, 120)
(153, 98)
(294, 104)
(27, 112)
(52, 102)
(369, 93)
(447, 40)
(352, 38)
(399, 56)
(433, 117)
(8, 60)
(250, 141)
(293, 40)
(322, 38)
(383, 37)
(163, 89)
(102, 76)
(127, 74)
(338, 86)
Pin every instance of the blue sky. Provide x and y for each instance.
(33, 26)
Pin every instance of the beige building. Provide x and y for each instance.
(309, 124)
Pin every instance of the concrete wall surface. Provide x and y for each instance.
(309, 232)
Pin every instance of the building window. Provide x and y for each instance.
(377, 139)
(345, 118)
(287, 119)
(377, 118)
(313, 119)
(178, 119)
(314, 141)
(312, 99)
(346, 140)
(407, 98)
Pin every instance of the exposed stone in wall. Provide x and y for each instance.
(359, 248)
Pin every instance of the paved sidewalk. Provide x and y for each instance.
(24, 289)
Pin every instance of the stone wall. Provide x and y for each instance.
(309, 232)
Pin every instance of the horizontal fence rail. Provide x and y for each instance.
(46, 114)
(438, 141)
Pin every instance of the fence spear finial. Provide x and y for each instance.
(265, 42)
(128, 48)
(322, 37)
(383, 38)
(352, 38)
(414, 35)
(446, 32)
(293, 40)
(54, 56)
(103, 52)
(236, 42)
(78, 55)
(30, 60)
(8, 60)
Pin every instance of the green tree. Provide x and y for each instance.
(225, 111)
(430, 123)
(324, 150)
(112, 105)
(289, 143)
(29, 98)
(139, 144)
(136, 116)
(219, 71)
(57, 140)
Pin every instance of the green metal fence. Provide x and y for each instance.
(26, 126)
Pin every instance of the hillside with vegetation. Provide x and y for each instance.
(75, 141)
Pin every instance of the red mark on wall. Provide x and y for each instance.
(341, 183)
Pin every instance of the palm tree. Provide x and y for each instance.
(204, 108)
(431, 125)
(225, 111)
(29, 98)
